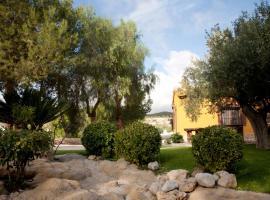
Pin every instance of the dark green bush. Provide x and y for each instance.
(177, 138)
(217, 148)
(17, 148)
(98, 139)
(138, 143)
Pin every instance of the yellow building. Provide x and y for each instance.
(231, 116)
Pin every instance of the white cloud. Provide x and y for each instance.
(169, 77)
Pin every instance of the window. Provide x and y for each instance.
(231, 117)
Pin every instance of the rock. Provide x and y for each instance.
(205, 179)
(162, 178)
(226, 179)
(139, 194)
(112, 196)
(221, 193)
(68, 157)
(50, 189)
(155, 187)
(178, 174)
(196, 171)
(169, 185)
(188, 185)
(122, 164)
(172, 195)
(153, 165)
(216, 177)
(79, 194)
(92, 157)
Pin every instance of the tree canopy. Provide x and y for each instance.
(70, 53)
(236, 70)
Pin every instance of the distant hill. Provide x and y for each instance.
(160, 114)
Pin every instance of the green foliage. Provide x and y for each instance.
(138, 143)
(217, 148)
(98, 139)
(177, 138)
(236, 69)
(17, 148)
(31, 107)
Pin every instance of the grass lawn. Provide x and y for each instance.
(253, 172)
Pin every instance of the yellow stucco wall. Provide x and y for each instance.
(182, 121)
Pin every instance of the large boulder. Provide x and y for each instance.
(178, 174)
(155, 187)
(169, 186)
(50, 189)
(221, 193)
(205, 180)
(226, 179)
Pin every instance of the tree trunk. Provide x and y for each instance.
(118, 115)
(259, 125)
(93, 113)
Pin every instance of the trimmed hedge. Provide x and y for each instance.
(177, 138)
(98, 139)
(138, 143)
(217, 148)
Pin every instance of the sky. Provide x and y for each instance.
(174, 31)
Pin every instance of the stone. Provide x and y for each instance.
(50, 189)
(68, 157)
(216, 177)
(221, 193)
(139, 194)
(172, 195)
(188, 185)
(178, 174)
(92, 157)
(155, 187)
(169, 185)
(205, 180)
(153, 165)
(226, 179)
(112, 196)
(79, 194)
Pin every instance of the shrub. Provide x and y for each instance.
(138, 143)
(217, 148)
(98, 139)
(17, 148)
(168, 141)
(177, 138)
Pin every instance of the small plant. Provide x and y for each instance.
(17, 148)
(138, 143)
(177, 138)
(98, 139)
(217, 148)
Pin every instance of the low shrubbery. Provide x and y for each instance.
(217, 148)
(138, 143)
(177, 138)
(17, 148)
(98, 139)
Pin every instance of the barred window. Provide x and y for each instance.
(231, 117)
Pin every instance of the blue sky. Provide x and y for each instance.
(173, 30)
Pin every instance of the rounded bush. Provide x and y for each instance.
(217, 148)
(177, 138)
(98, 139)
(138, 143)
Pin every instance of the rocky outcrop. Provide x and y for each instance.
(76, 177)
